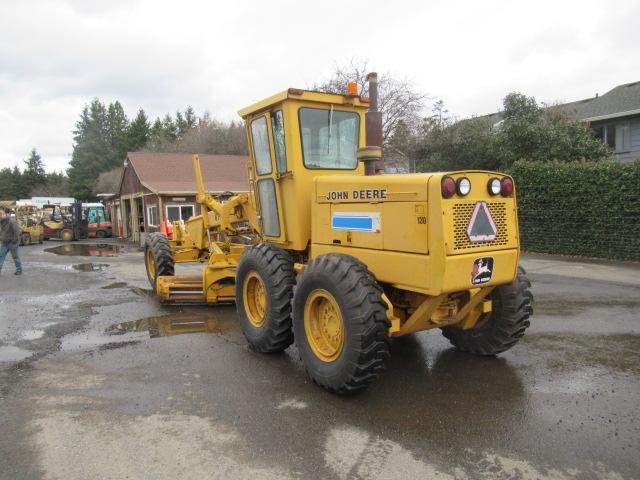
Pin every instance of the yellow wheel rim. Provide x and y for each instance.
(324, 325)
(151, 263)
(255, 299)
(67, 236)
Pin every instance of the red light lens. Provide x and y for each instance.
(506, 187)
(448, 187)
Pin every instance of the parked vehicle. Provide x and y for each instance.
(29, 219)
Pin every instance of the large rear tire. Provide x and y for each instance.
(158, 258)
(264, 288)
(340, 323)
(504, 326)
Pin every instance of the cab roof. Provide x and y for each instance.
(304, 95)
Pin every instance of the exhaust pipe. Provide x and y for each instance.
(371, 155)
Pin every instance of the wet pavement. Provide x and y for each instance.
(97, 380)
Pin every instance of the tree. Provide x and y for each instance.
(55, 185)
(8, 185)
(138, 133)
(398, 99)
(91, 143)
(117, 132)
(109, 182)
(532, 132)
(34, 174)
(527, 131)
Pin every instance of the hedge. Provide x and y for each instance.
(589, 209)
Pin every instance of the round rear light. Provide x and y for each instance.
(494, 186)
(463, 186)
(448, 187)
(506, 187)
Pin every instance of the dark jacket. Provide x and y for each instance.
(9, 231)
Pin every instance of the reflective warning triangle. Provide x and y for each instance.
(481, 226)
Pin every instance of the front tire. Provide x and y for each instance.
(66, 235)
(25, 239)
(340, 323)
(504, 326)
(264, 287)
(158, 258)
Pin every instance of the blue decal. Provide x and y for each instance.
(352, 223)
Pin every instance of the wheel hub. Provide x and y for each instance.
(324, 325)
(255, 299)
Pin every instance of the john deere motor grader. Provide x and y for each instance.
(343, 259)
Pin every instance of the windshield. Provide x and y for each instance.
(329, 138)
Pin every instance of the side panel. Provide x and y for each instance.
(419, 273)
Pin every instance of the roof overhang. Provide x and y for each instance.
(611, 116)
(193, 193)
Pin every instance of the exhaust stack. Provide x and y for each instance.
(371, 155)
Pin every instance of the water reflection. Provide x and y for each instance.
(168, 325)
(87, 249)
(90, 267)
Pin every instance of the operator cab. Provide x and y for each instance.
(294, 137)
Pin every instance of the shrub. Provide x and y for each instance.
(579, 208)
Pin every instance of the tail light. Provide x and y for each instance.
(506, 187)
(448, 187)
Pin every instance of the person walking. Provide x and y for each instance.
(9, 240)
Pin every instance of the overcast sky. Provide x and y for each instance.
(55, 56)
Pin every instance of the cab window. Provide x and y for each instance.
(277, 124)
(260, 140)
(329, 138)
(268, 207)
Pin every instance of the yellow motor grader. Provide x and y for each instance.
(325, 251)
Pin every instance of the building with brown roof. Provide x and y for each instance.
(159, 186)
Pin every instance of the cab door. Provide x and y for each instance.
(269, 162)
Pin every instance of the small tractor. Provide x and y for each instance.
(325, 252)
(29, 219)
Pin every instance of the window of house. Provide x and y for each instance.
(179, 212)
(152, 216)
(617, 136)
(623, 137)
(261, 151)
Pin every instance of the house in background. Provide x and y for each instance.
(614, 117)
(159, 186)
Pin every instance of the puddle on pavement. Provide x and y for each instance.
(90, 267)
(87, 249)
(9, 353)
(168, 325)
(114, 285)
(131, 333)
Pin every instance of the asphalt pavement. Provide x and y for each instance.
(98, 381)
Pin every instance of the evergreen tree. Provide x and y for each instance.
(138, 133)
(91, 145)
(7, 184)
(20, 190)
(34, 174)
(117, 128)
